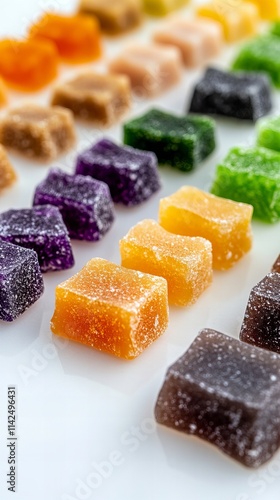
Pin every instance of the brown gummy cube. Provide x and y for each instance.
(114, 16)
(151, 69)
(38, 132)
(276, 265)
(94, 97)
(7, 173)
(261, 324)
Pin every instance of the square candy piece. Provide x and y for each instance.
(38, 132)
(238, 21)
(21, 282)
(131, 174)
(261, 324)
(261, 54)
(197, 39)
(186, 263)
(251, 175)
(268, 132)
(236, 95)
(111, 308)
(114, 16)
(94, 97)
(77, 38)
(85, 203)
(151, 68)
(268, 9)
(276, 265)
(28, 65)
(162, 7)
(227, 224)
(227, 393)
(180, 141)
(7, 173)
(40, 229)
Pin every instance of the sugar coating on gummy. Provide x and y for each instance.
(85, 204)
(261, 324)
(180, 141)
(268, 132)
(186, 263)
(21, 282)
(237, 95)
(112, 309)
(262, 54)
(276, 265)
(38, 132)
(131, 174)
(251, 175)
(227, 393)
(225, 223)
(41, 229)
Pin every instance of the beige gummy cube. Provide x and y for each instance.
(150, 68)
(197, 39)
(7, 173)
(114, 15)
(39, 132)
(94, 97)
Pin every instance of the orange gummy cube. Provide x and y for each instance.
(185, 262)
(7, 173)
(77, 38)
(111, 308)
(28, 65)
(238, 21)
(3, 93)
(226, 223)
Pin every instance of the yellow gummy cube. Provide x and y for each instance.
(238, 21)
(162, 7)
(111, 308)
(186, 263)
(226, 223)
(269, 9)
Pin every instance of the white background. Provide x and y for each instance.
(78, 408)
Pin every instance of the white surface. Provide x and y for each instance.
(76, 406)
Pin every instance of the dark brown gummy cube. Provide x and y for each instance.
(261, 324)
(38, 132)
(114, 16)
(276, 265)
(227, 393)
(98, 98)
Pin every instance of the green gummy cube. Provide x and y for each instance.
(261, 54)
(268, 133)
(182, 142)
(251, 175)
(275, 28)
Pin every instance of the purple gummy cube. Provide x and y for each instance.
(85, 203)
(131, 174)
(227, 393)
(261, 324)
(21, 281)
(41, 229)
